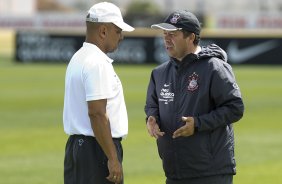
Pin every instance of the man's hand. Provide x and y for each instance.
(153, 128)
(115, 171)
(102, 131)
(187, 130)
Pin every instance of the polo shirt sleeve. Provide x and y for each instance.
(98, 82)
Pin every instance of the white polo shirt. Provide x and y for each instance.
(91, 76)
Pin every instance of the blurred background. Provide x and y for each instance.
(251, 14)
(38, 37)
(52, 30)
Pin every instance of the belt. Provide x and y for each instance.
(117, 139)
(81, 136)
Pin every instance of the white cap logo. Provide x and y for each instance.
(175, 18)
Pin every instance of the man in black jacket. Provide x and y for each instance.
(192, 101)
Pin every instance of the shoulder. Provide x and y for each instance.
(98, 67)
(215, 63)
(220, 69)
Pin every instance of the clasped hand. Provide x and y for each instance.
(187, 130)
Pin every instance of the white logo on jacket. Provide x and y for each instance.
(166, 95)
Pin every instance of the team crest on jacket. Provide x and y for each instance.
(193, 82)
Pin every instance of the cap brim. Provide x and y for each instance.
(124, 26)
(165, 26)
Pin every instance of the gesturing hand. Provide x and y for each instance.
(153, 128)
(187, 130)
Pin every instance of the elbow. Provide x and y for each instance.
(241, 109)
(239, 112)
(94, 116)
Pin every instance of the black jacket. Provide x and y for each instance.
(202, 86)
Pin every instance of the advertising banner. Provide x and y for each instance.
(56, 48)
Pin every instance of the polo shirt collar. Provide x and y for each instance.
(97, 49)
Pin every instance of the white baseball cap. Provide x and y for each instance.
(107, 13)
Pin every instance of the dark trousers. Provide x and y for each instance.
(217, 179)
(85, 161)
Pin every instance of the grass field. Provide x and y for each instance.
(32, 140)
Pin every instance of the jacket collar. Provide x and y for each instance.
(185, 61)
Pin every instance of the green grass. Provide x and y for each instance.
(32, 140)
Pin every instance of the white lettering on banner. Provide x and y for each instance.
(160, 54)
(130, 51)
(44, 47)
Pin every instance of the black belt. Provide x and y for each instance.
(81, 136)
(117, 139)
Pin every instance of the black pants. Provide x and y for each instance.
(85, 161)
(217, 179)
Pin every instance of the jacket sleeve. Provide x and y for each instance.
(152, 105)
(226, 97)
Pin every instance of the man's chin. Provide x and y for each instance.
(170, 53)
(112, 50)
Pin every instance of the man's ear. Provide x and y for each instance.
(103, 31)
(192, 37)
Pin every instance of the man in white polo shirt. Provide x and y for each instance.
(95, 116)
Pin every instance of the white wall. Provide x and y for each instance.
(18, 7)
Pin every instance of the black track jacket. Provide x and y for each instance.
(202, 86)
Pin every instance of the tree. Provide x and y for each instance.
(143, 13)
